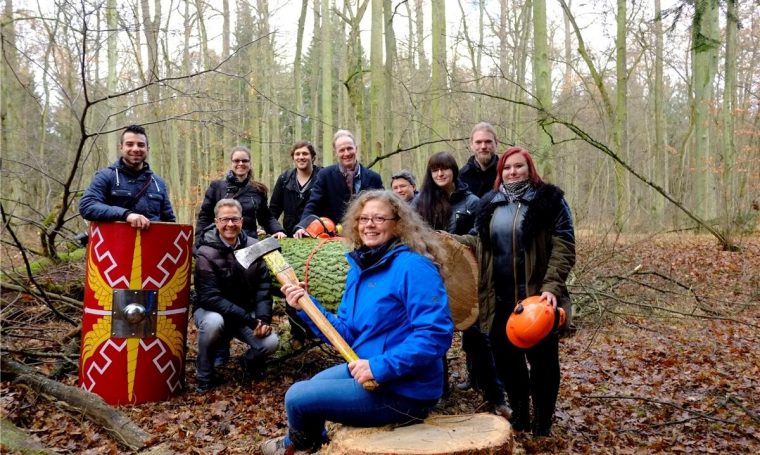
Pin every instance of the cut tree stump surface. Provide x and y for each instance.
(441, 434)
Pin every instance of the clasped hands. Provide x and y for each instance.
(260, 329)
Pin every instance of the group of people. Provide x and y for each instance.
(394, 311)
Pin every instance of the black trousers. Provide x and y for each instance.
(528, 374)
(480, 365)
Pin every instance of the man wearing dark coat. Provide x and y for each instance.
(337, 184)
(231, 302)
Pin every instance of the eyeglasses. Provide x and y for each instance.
(230, 219)
(376, 220)
(241, 161)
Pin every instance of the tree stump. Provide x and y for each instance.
(481, 434)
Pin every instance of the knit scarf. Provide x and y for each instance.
(514, 191)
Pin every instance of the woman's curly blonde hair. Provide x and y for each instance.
(410, 228)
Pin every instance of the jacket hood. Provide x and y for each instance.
(118, 165)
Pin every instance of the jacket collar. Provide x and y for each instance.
(210, 237)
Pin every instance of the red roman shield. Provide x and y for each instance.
(134, 323)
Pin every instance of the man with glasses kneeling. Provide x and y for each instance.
(231, 302)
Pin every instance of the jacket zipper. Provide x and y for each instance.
(514, 251)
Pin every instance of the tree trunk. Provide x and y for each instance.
(729, 194)
(705, 44)
(619, 132)
(374, 148)
(388, 77)
(543, 88)
(661, 156)
(297, 82)
(327, 79)
(476, 434)
(439, 85)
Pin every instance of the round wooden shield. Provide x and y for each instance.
(461, 279)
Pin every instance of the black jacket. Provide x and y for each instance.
(254, 204)
(464, 209)
(223, 286)
(330, 195)
(546, 246)
(288, 200)
(479, 181)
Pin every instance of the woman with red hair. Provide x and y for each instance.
(526, 247)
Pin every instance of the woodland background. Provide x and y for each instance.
(647, 114)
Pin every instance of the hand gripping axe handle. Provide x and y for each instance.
(268, 250)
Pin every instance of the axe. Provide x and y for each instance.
(267, 250)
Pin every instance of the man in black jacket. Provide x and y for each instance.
(479, 173)
(337, 184)
(231, 302)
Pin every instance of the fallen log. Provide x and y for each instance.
(16, 440)
(472, 434)
(92, 406)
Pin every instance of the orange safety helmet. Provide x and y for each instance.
(532, 319)
(322, 228)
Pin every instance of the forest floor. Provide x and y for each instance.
(664, 357)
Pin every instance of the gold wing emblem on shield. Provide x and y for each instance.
(166, 330)
(101, 330)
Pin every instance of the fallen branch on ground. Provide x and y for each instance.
(76, 399)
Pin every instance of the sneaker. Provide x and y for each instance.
(279, 446)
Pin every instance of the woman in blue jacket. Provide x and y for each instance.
(394, 314)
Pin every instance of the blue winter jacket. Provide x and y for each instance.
(396, 314)
(111, 195)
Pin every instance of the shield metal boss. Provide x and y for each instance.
(134, 313)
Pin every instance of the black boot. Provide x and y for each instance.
(542, 418)
(520, 415)
(253, 370)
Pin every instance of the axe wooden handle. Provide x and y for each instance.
(286, 275)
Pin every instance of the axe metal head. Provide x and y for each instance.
(246, 256)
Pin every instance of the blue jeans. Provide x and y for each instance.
(212, 334)
(334, 395)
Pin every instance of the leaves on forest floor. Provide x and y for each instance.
(663, 359)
